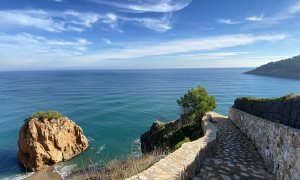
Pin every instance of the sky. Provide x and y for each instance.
(146, 34)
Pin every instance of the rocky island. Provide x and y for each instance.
(47, 138)
(288, 68)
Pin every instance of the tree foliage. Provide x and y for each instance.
(195, 103)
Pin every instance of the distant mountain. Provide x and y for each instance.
(288, 68)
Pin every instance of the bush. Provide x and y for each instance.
(283, 98)
(48, 115)
(178, 145)
(195, 103)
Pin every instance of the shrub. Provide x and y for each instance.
(48, 115)
(195, 103)
(178, 145)
(284, 98)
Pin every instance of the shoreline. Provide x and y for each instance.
(48, 173)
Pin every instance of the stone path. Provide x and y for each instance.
(236, 157)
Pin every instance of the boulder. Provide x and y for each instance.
(44, 142)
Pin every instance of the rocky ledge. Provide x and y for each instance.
(44, 142)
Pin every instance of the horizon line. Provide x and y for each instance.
(104, 69)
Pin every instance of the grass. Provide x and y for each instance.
(119, 169)
(178, 145)
(47, 115)
(283, 98)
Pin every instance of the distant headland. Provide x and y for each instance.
(287, 68)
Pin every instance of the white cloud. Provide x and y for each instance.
(280, 17)
(182, 46)
(158, 6)
(53, 21)
(107, 41)
(38, 51)
(216, 55)
(61, 21)
(255, 18)
(160, 25)
(226, 21)
(32, 43)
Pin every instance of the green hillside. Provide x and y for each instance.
(288, 68)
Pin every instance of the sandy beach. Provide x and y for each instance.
(45, 174)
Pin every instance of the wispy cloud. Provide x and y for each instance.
(287, 13)
(66, 53)
(183, 46)
(53, 21)
(226, 21)
(162, 24)
(158, 6)
(61, 21)
(107, 41)
(255, 18)
(215, 55)
(32, 43)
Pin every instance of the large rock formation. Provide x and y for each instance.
(44, 142)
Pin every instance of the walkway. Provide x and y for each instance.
(236, 157)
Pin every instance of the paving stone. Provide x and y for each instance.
(236, 155)
(236, 177)
(224, 177)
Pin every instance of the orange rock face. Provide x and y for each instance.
(44, 142)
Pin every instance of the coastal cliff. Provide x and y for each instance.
(170, 136)
(288, 68)
(44, 141)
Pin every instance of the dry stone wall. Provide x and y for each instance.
(184, 162)
(286, 112)
(279, 145)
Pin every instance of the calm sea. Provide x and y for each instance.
(114, 107)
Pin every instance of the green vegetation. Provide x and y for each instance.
(288, 68)
(284, 110)
(195, 103)
(178, 145)
(47, 115)
(283, 98)
(169, 136)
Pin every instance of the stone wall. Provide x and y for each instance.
(283, 111)
(184, 162)
(279, 145)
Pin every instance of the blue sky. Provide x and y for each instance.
(130, 34)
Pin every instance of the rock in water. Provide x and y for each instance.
(44, 142)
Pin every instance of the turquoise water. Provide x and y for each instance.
(114, 107)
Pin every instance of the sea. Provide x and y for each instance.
(114, 107)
